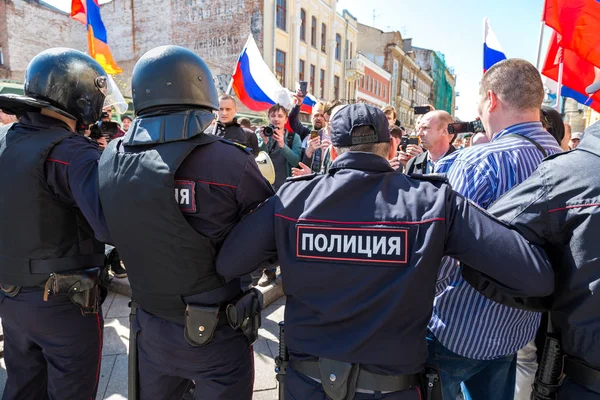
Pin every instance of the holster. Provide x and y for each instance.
(10, 290)
(200, 324)
(432, 385)
(82, 287)
(243, 313)
(338, 378)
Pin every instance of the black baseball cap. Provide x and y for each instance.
(125, 116)
(346, 119)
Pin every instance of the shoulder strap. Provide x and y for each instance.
(530, 140)
(290, 139)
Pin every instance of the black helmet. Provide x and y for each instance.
(169, 76)
(63, 80)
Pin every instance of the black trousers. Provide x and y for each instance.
(51, 350)
(222, 369)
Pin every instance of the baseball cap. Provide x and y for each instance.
(346, 119)
(125, 116)
(576, 135)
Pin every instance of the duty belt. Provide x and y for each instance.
(582, 374)
(367, 382)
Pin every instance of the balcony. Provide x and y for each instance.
(355, 69)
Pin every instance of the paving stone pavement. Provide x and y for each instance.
(113, 374)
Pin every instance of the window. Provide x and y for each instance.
(313, 32)
(280, 67)
(385, 92)
(311, 82)
(336, 87)
(346, 51)
(338, 47)
(322, 83)
(303, 25)
(281, 14)
(350, 50)
(1, 56)
(324, 38)
(301, 70)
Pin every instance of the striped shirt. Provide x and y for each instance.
(463, 320)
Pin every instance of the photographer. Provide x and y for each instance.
(283, 147)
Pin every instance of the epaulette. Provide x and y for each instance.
(301, 178)
(238, 145)
(436, 178)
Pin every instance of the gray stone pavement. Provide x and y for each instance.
(113, 375)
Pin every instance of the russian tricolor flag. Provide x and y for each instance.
(254, 83)
(308, 104)
(88, 13)
(492, 51)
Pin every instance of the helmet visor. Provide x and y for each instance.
(114, 97)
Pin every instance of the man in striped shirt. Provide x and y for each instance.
(474, 340)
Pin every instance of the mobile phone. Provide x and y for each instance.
(303, 87)
(314, 134)
(419, 110)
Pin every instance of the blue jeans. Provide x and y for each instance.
(482, 379)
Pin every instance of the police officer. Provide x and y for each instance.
(376, 237)
(49, 212)
(171, 194)
(559, 209)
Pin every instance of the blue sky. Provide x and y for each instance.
(454, 27)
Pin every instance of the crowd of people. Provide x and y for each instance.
(399, 285)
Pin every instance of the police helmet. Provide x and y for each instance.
(63, 80)
(168, 76)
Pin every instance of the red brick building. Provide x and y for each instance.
(374, 86)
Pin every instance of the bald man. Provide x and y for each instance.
(435, 139)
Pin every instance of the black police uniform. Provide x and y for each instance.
(171, 194)
(49, 211)
(560, 210)
(359, 249)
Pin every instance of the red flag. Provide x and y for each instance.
(578, 23)
(578, 73)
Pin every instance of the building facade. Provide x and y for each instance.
(374, 85)
(410, 85)
(299, 39)
(444, 80)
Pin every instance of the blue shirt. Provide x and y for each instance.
(463, 320)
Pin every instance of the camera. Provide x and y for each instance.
(406, 140)
(269, 130)
(106, 129)
(466, 127)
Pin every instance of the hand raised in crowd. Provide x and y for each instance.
(278, 135)
(298, 97)
(394, 163)
(265, 138)
(303, 170)
(414, 150)
(403, 158)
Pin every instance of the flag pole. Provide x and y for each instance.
(539, 52)
(560, 82)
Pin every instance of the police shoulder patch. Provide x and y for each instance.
(185, 195)
(301, 178)
(246, 149)
(440, 178)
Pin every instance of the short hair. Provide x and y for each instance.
(276, 108)
(381, 149)
(227, 97)
(395, 131)
(389, 109)
(245, 122)
(330, 105)
(553, 123)
(319, 108)
(516, 82)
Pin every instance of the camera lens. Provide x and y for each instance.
(268, 131)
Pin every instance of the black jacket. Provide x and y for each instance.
(418, 164)
(234, 132)
(377, 238)
(558, 207)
